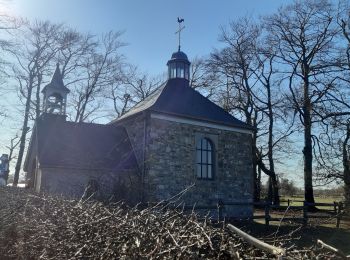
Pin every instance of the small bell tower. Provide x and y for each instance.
(55, 95)
(178, 65)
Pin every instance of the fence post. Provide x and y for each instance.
(340, 208)
(305, 209)
(335, 207)
(288, 202)
(267, 214)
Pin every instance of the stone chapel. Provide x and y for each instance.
(174, 139)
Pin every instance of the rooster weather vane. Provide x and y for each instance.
(180, 20)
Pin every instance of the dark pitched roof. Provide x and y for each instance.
(81, 145)
(176, 98)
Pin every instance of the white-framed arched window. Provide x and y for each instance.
(205, 158)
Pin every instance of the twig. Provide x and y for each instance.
(280, 223)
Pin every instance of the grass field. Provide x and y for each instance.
(322, 199)
(323, 229)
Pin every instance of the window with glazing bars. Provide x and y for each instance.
(204, 159)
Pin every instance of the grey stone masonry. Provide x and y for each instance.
(170, 164)
(71, 183)
(135, 127)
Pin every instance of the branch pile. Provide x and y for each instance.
(34, 226)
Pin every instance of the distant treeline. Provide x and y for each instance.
(288, 188)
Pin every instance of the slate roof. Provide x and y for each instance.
(176, 98)
(81, 145)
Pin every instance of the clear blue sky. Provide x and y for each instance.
(149, 25)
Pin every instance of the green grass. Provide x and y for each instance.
(323, 229)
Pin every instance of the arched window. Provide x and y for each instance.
(205, 159)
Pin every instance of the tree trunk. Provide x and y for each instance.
(257, 188)
(257, 183)
(23, 134)
(307, 151)
(273, 190)
(274, 196)
(346, 164)
(273, 180)
(347, 193)
(309, 194)
(269, 190)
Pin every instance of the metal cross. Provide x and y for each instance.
(180, 20)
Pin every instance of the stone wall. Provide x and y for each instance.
(171, 162)
(63, 181)
(135, 127)
(68, 182)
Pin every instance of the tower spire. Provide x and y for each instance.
(180, 20)
(55, 94)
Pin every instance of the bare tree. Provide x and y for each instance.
(201, 78)
(130, 87)
(8, 26)
(98, 71)
(336, 152)
(270, 102)
(14, 142)
(346, 165)
(344, 102)
(88, 66)
(234, 64)
(303, 34)
(35, 50)
(335, 139)
(245, 76)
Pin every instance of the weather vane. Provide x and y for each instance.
(180, 20)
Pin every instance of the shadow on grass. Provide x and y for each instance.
(302, 237)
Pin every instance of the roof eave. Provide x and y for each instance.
(246, 127)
